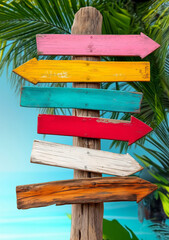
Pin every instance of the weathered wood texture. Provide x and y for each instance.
(83, 71)
(84, 159)
(91, 127)
(91, 190)
(95, 45)
(81, 98)
(87, 219)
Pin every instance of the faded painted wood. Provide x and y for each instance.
(84, 159)
(95, 45)
(91, 190)
(81, 98)
(91, 127)
(45, 71)
(87, 20)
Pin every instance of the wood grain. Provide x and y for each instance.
(91, 127)
(91, 190)
(46, 71)
(84, 159)
(81, 98)
(95, 45)
(87, 219)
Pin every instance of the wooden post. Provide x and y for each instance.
(87, 219)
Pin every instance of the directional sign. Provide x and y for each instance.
(90, 127)
(95, 45)
(83, 98)
(83, 159)
(90, 190)
(83, 71)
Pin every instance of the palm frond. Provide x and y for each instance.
(22, 20)
(156, 159)
(159, 145)
(161, 230)
(153, 17)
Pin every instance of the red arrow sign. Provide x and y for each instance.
(89, 127)
(95, 45)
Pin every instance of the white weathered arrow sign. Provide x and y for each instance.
(83, 159)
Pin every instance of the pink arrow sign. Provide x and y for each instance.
(95, 45)
(90, 127)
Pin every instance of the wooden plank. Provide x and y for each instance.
(84, 98)
(93, 127)
(95, 45)
(90, 190)
(83, 71)
(84, 159)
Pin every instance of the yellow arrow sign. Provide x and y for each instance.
(83, 71)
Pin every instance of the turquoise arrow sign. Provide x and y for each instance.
(82, 98)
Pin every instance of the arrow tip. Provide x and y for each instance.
(138, 130)
(136, 166)
(148, 189)
(25, 69)
(149, 45)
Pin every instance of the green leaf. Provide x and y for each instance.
(113, 230)
(165, 201)
(69, 216)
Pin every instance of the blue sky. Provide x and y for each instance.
(18, 129)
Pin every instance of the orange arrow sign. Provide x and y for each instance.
(90, 190)
(83, 71)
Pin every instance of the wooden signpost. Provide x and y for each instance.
(84, 159)
(91, 127)
(95, 45)
(88, 190)
(45, 71)
(87, 219)
(81, 98)
(93, 190)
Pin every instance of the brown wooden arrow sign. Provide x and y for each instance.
(90, 190)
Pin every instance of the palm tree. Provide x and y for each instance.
(21, 20)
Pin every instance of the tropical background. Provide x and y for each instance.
(20, 21)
